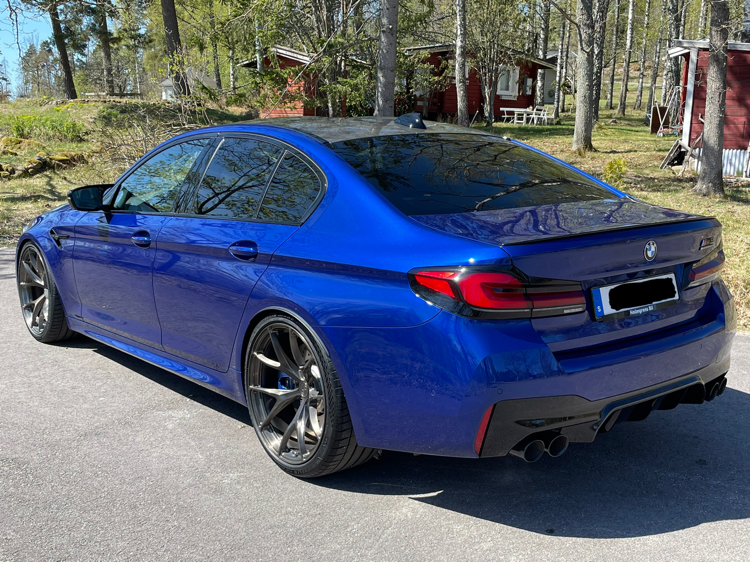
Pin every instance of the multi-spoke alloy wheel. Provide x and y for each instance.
(33, 289)
(296, 403)
(40, 302)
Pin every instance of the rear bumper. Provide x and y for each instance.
(515, 422)
(426, 389)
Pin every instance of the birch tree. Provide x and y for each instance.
(657, 59)
(745, 36)
(559, 68)
(542, 44)
(613, 58)
(711, 181)
(642, 68)
(386, 79)
(626, 61)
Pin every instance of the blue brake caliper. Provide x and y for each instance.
(285, 382)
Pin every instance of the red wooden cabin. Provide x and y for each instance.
(515, 90)
(693, 98)
(289, 58)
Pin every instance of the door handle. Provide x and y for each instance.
(245, 250)
(142, 239)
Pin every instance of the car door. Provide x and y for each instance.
(209, 259)
(114, 249)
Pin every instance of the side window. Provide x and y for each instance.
(291, 193)
(236, 178)
(155, 185)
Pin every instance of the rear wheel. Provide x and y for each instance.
(296, 402)
(40, 302)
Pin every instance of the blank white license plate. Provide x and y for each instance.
(635, 297)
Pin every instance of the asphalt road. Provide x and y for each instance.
(105, 457)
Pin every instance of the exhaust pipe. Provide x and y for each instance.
(557, 446)
(712, 392)
(531, 452)
(722, 387)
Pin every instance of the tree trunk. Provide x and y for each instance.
(711, 180)
(626, 61)
(102, 32)
(642, 69)
(672, 64)
(559, 69)
(566, 57)
(214, 44)
(745, 35)
(585, 78)
(601, 7)
(62, 51)
(174, 48)
(542, 51)
(386, 81)
(702, 19)
(657, 59)
(461, 95)
(613, 59)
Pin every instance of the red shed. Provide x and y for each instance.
(516, 87)
(693, 98)
(290, 108)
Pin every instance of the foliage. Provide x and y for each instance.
(614, 171)
(42, 128)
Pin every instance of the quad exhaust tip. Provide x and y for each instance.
(557, 446)
(554, 445)
(531, 452)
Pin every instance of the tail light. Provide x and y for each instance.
(708, 269)
(496, 294)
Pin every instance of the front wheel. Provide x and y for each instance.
(296, 403)
(40, 302)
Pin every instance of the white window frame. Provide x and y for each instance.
(512, 91)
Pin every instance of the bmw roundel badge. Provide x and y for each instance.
(649, 252)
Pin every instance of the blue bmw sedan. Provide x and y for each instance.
(371, 283)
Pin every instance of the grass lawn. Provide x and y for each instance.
(23, 199)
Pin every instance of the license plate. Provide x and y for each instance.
(634, 297)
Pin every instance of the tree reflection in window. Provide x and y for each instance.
(435, 174)
(292, 191)
(236, 178)
(155, 185)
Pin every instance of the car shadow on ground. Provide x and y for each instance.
(675, 470)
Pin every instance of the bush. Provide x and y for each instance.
(44, 128)
(614, 172)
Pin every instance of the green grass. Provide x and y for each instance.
(23, 199)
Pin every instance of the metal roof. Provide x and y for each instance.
(342, 129)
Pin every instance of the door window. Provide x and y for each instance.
(292, 191)
(234, 183)
(155, 185)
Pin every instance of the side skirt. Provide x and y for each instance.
(228, 384)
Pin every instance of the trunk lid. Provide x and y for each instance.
(597, 243)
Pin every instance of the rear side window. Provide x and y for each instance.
(292, 191)
(236, 179)
(437, 174)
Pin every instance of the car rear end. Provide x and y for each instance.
(599, 308)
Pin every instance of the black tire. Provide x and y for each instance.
(314, 384)
(40, 300)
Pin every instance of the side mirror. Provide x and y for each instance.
(88, 198)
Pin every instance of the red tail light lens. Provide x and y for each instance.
(707, 269)
(502, 294)
(437, 281)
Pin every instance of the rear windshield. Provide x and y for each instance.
(437, 174)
